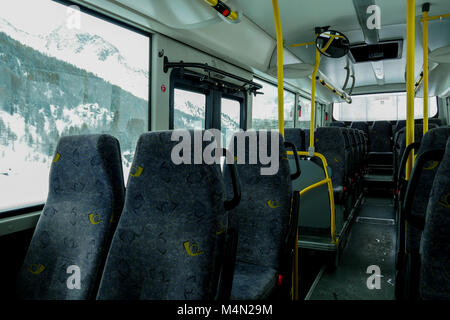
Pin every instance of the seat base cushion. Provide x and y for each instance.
(252, 282)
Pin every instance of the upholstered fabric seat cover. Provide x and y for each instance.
(295, 136)
(166, 246)
(363, 126)
(348, 152)
(400, 141)
(252, 281)
(434, 139)
(380, 136)
(330, 142)
(398, 126)
(353, 146)
(358, 146)
(363, 143)
(261, 220)
(435, 121)
(85, 199)
(337, 124)
(435, 254)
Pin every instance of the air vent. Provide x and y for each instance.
(374, 52)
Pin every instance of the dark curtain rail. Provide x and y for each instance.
(204, 66)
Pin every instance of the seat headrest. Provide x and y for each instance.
(434, 139)
(85, 165)
(295, 136)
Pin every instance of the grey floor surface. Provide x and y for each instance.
(371, 242)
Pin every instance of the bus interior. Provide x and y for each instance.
(225, 150)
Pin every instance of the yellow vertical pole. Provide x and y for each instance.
(410, 41)
(425, 70)
(280, 73)
(280, 66)
(313, 104)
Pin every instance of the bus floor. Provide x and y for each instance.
(371, 245)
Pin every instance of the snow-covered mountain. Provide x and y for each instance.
(86, 51)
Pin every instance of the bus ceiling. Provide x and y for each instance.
(224, 28)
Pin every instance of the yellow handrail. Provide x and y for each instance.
(302, 44)
(343, 95)
(440, 16)
(327, 181)
(329, 43)
(280, 66)
(313, 104)
(314, 42)
(280, 74)
(313, 186)
(410, 39)
(425, 72)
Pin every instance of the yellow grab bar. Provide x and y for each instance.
(327, 181)
(440, 16)
(313, 103)
(303, 44)
(280, 66)
(313, 186)
(410, 39)
(425, 72)
(343, 95)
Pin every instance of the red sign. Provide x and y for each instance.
(163, 88)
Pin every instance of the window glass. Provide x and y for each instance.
(64, 72)
(189, 110)
(377, 107)
(265, 107)
(231, 116)
(304, 112)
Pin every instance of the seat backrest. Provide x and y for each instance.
(337, 124)
(354, 157)
(358, 146)
(435, 256)
(418, 135)
(295, 136)
(435, 121)
(380, 136)
(399, 125)
(363, 142)
(166, 246)
(434, 139)
(85, 199)
(306, 139)
(330, 142)
(348, 151)
(360, 126)
(262, 217)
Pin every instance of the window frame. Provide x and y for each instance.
(214, 94)
(436, 116)
(17, 211)
(285, 89)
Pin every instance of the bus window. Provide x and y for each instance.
(59, 79)
(304, 113)
(375, 107)
(265, 108)
(230, 117)
(189, 110)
